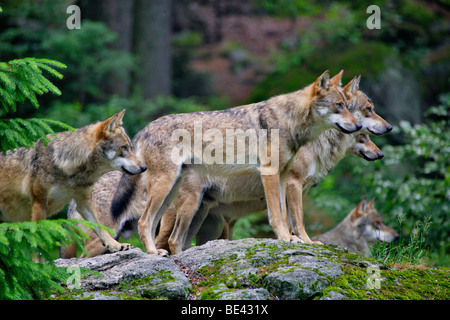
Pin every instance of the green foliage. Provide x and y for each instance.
(22, 278)
(22, 80)
(90, 60)
(38, 29)
(139, 111)
(187, 82)
(287, 8)
(404, 251)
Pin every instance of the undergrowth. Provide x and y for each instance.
(22, 243)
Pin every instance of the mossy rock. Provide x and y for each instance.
(255, 269)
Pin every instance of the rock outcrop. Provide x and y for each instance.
(248, 269)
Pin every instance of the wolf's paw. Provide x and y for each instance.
(294, 239)
(163, 253)
(159, 252)
(118, 247)
(125, 247)
(309, 241)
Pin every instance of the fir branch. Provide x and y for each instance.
(15, 133)
(23, 79)
(21, 277)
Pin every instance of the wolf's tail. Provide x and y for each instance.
(124, 193)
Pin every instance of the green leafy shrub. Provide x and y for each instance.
(90, 60)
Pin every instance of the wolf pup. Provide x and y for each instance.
(359, 228)
(292, 120)
(37, 182)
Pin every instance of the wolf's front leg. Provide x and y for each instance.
(39, 210)
(294, 195)
(88, 211)
(277, 221)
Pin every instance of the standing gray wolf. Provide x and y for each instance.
(296, 117)
(37, 182)
(359, 228)
(244, 194)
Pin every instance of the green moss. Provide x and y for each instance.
(213, 292)
(147, 287)
(412, 283)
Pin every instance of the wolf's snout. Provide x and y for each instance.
(380, 155)
(346, 127)
(388, 128)
(134, 169)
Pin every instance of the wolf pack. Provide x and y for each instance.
(187, 178)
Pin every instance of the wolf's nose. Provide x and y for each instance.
(143, 167)
(358, 127)
(389, 128)
(380, 155)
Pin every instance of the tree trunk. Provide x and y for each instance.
(152, 46)
(118, 15)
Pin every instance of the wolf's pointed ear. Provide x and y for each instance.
(370, 204)
(120, 115)
(363, 204)
(322, 83)
(352, 86)
(358, 212)
(358, 79)
(336, 80)
(112, 125)
(105, 127)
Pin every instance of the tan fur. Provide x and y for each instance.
(36, 183)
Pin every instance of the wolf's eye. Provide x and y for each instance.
(340, 105)
(369, 110)
(125, 148)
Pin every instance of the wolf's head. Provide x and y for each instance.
(369, 224)
(363, 147)
(116, 146)
(362, 108)
(329, 105)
